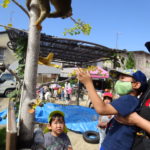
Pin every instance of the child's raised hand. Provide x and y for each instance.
(83, 76)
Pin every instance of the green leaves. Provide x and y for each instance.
(14, 94)
(5, 3)
(21, 54)
(130, 63)
(79, 27)
(118, 60)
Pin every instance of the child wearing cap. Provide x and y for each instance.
(129, 86)
(57, 138)
(104, 119)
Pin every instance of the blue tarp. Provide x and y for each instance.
(77, 118)
(2, 114)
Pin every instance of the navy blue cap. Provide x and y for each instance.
(140, 77)
(147, 45)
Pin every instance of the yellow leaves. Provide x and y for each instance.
(34, 105)
(47, 61)
(86, 29)
(31, 111)
(80, 26)
(5, 3)
(72, 73)
(8, 25)
(89, 68)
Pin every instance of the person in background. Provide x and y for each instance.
(42, 93)
(62, 94)
(48, 95)
(59, 92)
(65, 91)
(103, 120)
(69, 91)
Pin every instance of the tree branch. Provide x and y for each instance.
(73, 20)
(76, 22)
(13, 28)
(18, 79)
(21, 7)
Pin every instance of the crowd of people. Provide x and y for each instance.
(56, 91)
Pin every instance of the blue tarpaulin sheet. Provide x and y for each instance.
(77, 118)
(2, 114)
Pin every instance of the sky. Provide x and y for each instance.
(122, 24)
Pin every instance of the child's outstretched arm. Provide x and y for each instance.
(99, 105)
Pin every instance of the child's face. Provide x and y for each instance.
(57, 126)
(107, 101)
(126, 85)
(126, 78)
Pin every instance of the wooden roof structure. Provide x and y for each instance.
(67, 51)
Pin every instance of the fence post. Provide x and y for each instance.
(11, 130)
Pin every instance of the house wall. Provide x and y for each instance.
(8, 55)
(142, 61)
(141, 58)
(44, 78)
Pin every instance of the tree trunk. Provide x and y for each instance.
(30, 76)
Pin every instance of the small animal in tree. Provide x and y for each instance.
(63, 9)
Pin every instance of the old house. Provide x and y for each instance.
(7, 56)
(142, 61)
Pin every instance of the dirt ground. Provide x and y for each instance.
(77, 140)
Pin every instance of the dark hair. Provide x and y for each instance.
(107, 97)
(58, 116)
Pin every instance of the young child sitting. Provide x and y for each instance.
(103, 120)
(57, 138)
(130, 85)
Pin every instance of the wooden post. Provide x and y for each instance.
(11, 131)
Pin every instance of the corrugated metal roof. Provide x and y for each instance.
(67, 51)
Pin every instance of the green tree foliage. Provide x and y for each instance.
(130, 63)
(118, 60)
(80, 26)
(21, 55)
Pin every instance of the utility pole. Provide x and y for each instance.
(117, 38)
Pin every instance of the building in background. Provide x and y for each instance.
(7, 56)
